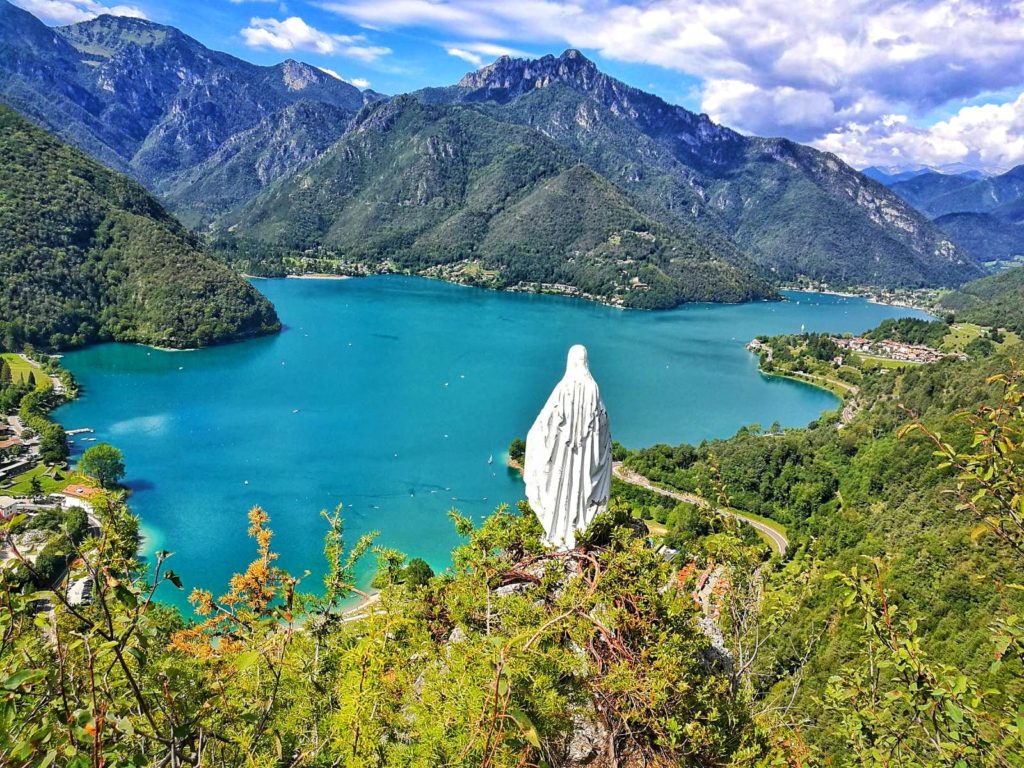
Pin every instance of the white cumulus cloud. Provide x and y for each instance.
(476, 53)
(359, 82)
(984, 136)
(806, 69)
(460, 53)
(72, 11)
(294, 34)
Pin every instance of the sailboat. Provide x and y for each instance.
(490, 459)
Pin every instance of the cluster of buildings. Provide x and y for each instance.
(73, 496)
(892, 350)
(9, 437)
(17, 454)
(31, 542)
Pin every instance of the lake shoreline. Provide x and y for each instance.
(869, 295)
(411, 468)
(318, 276)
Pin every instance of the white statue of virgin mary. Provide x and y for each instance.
(568, 465)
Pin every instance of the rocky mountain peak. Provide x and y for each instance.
(508, 79)
(298, 76)
(107, 35)
(514, 77)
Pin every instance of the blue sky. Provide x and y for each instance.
(881, 82)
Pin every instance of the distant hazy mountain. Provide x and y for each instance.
(889, 176)
(922, 188)
(148, 100)
(981, 196)
(422, 185)
(86, 254)
(792, 209)
(981, 215)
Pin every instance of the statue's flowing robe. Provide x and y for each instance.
(568, 465)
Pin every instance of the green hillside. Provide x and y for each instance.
(793, 210)
(414, 186)
(87, 254)
(996, 300)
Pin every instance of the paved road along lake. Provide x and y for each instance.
(391, 395)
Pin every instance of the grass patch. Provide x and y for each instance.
(52, 480)
(962, 334)
(656, 528)
(885, 362)
(21, 369)
(841, 390)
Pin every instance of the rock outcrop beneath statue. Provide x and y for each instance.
(568, 464)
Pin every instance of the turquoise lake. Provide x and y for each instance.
(390, 394)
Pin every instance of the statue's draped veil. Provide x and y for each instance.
(569, 455)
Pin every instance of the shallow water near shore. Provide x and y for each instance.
(398, 397)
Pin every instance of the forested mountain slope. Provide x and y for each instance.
(793, 209)
(996, 300)
(869, 506)
(87, 254)
(419, 185)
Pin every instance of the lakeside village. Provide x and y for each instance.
(46, 509)
(839, 363)
(913, 298)
(883, 349)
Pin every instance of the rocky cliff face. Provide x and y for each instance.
(250, 160)
(508, 79)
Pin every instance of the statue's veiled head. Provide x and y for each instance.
(577, 361)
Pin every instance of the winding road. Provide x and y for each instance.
(778, 540)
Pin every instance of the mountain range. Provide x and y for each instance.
(790, 209)
(150, 101)
(983, 215)
(525, 172)
(888, 175)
